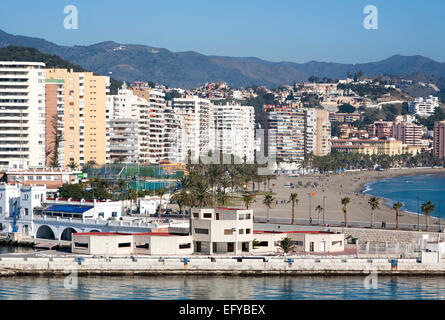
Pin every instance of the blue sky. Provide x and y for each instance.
(278, 30)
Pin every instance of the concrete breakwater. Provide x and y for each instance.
(251, 266)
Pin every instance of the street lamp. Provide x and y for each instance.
(324, 197)
(418, 214)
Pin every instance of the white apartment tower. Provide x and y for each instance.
(235, 131)
(198, 126)
(423, 107)
(22, 114)
(128, 127)
(152, 147)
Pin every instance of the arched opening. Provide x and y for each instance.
(95, 230)
(67, 234)
(45, 232)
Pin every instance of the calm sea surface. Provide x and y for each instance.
(412, 191)
(223, 288)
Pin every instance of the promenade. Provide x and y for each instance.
(204, 265)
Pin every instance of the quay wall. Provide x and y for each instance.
(17, 266)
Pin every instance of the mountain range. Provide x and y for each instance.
(190, 69)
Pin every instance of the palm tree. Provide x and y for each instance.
(248, 199)
(286, 245)
(374, 204)
(202, 193)
(223, 198)
(180, 197)
(344, 202)
(294, 199)
(427, 208)
(160, 193)
(319, 209)
(268, 200)
(396, 206)
(72, 165)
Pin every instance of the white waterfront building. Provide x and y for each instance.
(22, 114)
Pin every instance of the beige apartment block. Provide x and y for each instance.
(322, 133)
(84, 115)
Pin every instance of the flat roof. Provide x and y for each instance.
(68, 208)
(303, 231)
(124, 234)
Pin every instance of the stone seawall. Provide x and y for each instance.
(214, 266)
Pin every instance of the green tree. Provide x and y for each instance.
(248, 199)
(160, 193)
(374, 204)
(346, 108)
(427, 208)
(286, 245)
(72, 165)
(319, 209)
(294, 199)
(396, 206)
(268, 200)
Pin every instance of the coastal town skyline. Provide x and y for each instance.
(133, 172)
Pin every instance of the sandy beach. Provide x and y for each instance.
(333, 188)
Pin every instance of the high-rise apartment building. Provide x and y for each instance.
(198, 126)
(54, 123)
(409, 133)
(128, 127)
(235, 131)
(322, 133)
(152, 147)
(290, 133)
(84, 116)
(284, 132)
(439, 139)
(22, 114)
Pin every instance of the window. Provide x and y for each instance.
(228, 231)
(101, 214)
(207, 215)
(241, 231)
(142, 245)
(299, 243)
(185, 246)
(26, 211)
(195, 215)
(80, 245)
(247, 231)
(201, 231)
(124, 244)
(337, 243)
(114, 214)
